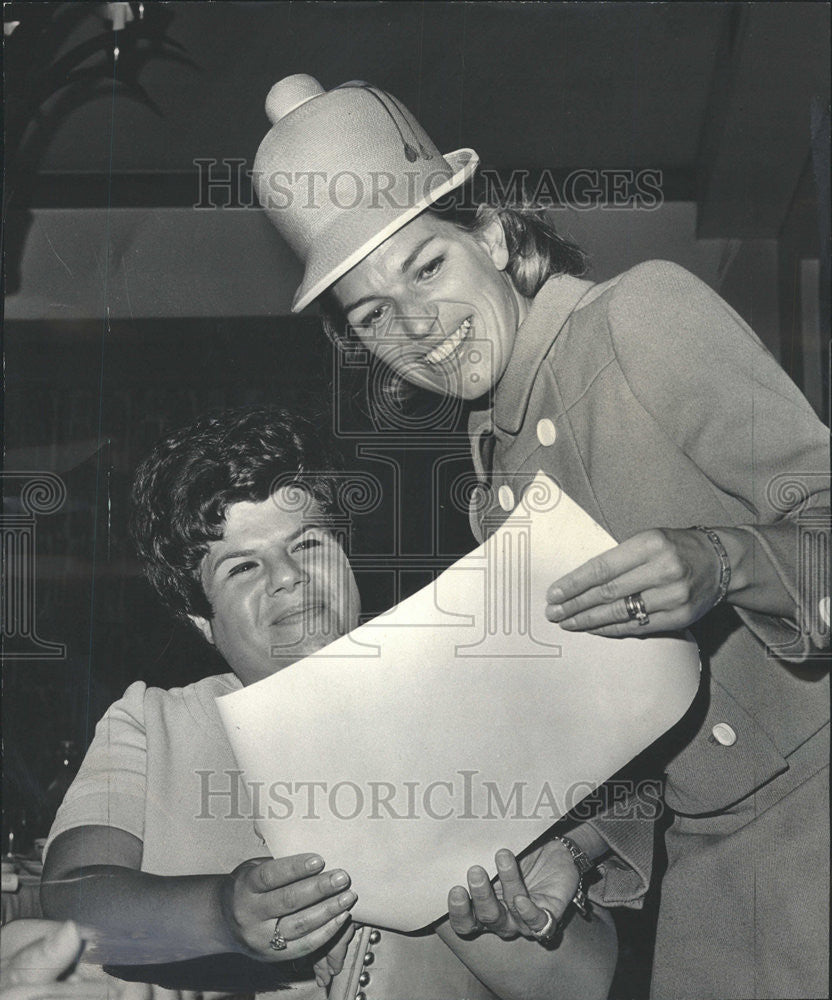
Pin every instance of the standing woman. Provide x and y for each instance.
(658, 411)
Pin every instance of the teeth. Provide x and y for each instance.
(444, 350)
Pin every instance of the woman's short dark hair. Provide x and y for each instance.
(184, 487)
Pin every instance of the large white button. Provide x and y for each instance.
(506, 497)
(724, 734)
(546, 432)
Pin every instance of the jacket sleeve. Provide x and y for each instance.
(622, 812)
(717, 392)
(110, 787)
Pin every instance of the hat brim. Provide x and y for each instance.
(463, 162)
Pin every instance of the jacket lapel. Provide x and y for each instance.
(552, 307)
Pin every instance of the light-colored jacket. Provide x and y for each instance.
(652, 404)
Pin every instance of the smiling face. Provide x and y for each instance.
(279, 585)
(435, 304)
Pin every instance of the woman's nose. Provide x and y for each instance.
(286, 573)
(416, 320)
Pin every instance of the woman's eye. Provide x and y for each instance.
(241, 568)
(308, 543)
(432, 267)
(374, 317)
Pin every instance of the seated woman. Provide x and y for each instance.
(156, 846)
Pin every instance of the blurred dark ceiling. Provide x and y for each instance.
(715, 94)
(566, 85)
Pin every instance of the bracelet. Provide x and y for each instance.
(724, 561)
(584, 865)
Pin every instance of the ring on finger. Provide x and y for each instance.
(278, 941)
(636, 610)
(549, 930)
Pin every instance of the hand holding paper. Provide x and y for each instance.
(465, 720)
(519, 903)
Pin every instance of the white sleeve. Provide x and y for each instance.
(110, 787)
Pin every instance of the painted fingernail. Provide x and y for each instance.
(346, 898)
(339, 878)
(313, 863)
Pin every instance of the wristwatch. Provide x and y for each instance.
(584, 865)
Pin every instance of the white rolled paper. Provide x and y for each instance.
(460, 722)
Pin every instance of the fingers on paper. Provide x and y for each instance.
(272, 873)
(597, 572)
(647, 548)
(511, 881)
(489, 911)
(461, 913)
(303, 894)
(533, 917)
(307, 920)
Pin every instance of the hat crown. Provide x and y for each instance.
(290, 93)
(341, 170)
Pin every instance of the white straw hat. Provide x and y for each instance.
(341, 170)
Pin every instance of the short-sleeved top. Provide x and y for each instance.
(161, 768)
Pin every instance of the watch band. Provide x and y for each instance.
(583, 864)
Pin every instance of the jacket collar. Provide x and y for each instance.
(551, 308)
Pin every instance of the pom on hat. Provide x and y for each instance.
(290, 93)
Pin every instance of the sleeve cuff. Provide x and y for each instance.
(795, 550)
(119, 810)
(628, 830)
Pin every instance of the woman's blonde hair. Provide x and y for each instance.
(536, 252)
